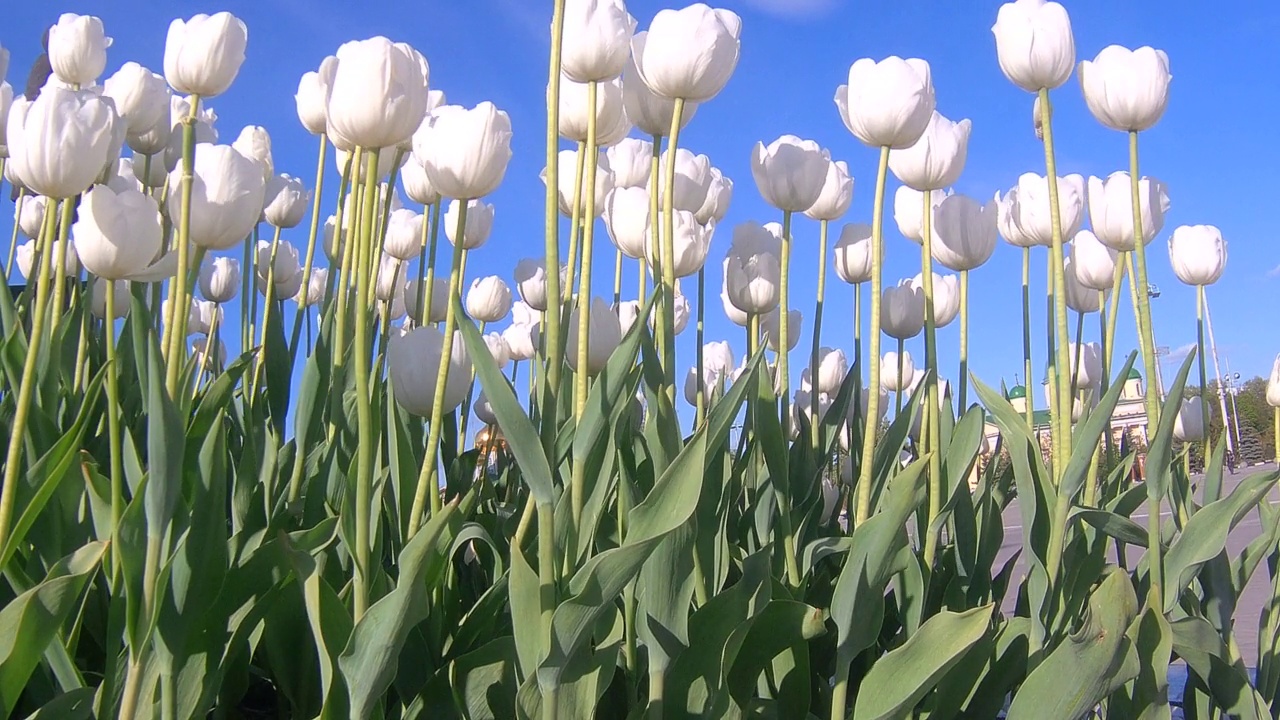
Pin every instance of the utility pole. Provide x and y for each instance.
(1222, 394)
(1233, 387)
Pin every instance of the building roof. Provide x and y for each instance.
(1017, 391)
(1134, 374)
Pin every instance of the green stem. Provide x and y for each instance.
(575, 223)
(427, 478)
(873, 401)
(617, 277)
(815, 431)
(1026, 337)
(465, 413)
(366, 440)
(13, 235)
(1079, 350)
(655, 242)
(840, 691)
(964, 342)
(26, 388)
(181, 293)
(666, 326)
(113, 413)
(1204, 383)
(582, 376)
(784, 334)
(427, 283)
(857, 325)
(547, 592)
(551, 322)
(700, 409)
(933, 427)
(311, 254)
(901, 382)
(1060, 284)
(270, 296)
(59, 265)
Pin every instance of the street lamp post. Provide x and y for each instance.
(1222, 393)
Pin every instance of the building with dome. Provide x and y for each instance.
(1129, 419)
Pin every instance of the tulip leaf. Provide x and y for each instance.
(484, 680)
(1087, 433)
(520, 434)
(780, 625)
(900, 679)
(72, 705)
(278, 367)
(164, 449)
(1112, 525)
(1197, 642)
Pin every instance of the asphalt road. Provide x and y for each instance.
(1256, 592)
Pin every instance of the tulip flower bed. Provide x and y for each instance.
(310, 528)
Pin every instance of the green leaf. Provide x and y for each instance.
(1205, 534)
(74, 705)
(522, 438)
(1198, 643)
(898, 681)
(31, 621)
(780, 625)
(164, 447)
(484, 680)
(278, 368)
(1112, 525)
(1157, 463)
(1075, 676)
(1088, 432)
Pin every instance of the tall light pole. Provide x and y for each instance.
(1233, 387)
(1222, 393)
(1153, 292)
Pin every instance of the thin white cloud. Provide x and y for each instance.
(794, 9)
(1274, 272)
(1178, 354)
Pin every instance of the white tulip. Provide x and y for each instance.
(936, 160)
(902, 310)
(964, 232)
(752, 282)
(853, 253)
(790, 172)
(465, 152)
(1094, 262)
(1034, 44)
(479, 223)
(626, 218)
(498, 349)
(890, 379)
(488, 300)
(417, 185)
(597, 39)
(611, 120)
(650, 113)
(1189, 425)
(378, 95)
(286, 201)
(312, 97)
(689, 53)
(439, 300)
(404, 234)
(631, 161)
(25, 256)
(1198, 254)
(837, 193)
(769, 328)
(690, 244)
(604, 334)
(628, 312)
(98, 301)
(203, 55)
(521, 340)
(692, 180)
(566, 176)
(219, 279)
(316, 288)
(946, 297)
(1029, 210)
(202, 316)
(60, 142)
(413, 363)
(1111, 209)
(1273, 384)
(226, 197)
(141, 97)
(832, 367)
(78, 49)
(1126, 89)
(531, 282)
(31, 215)
(719, 195)
(887, 103)
(117, 235)
(908, 212)
(1080, 297)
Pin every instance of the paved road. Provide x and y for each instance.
(1256, 592)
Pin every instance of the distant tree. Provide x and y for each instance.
(1254, 416)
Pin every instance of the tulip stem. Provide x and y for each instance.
(1061, 364)
(655, 244)
(1079, 350)
(13, 236)
(784, 331)
(857, 326)
(113, 412)
(427, 264)
(873, 400)
(1026, 338)
(815, 431)
(964, 343)
(181, 292)
(365, 448)
(26, 388)
(304, 300)
(427, 478)
(547, 592)
(551, 335)
(666, 328)
(269, 294)
(345, 251)
(1275, 417)
(899, 385)
(617, 279)
(59, 267)
(583, 374)
(575, 225)
(1204, 383)
(465, 413)
(933, 426)
(700, 402)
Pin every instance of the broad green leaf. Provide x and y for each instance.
(898, 681)
(780, 625)
(1157, 463)
(164, 448)
(74, 705)
(1198, 643)
(1112, 525)
(484, 681)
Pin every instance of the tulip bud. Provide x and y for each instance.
(141, 97)
(413, 176)
(752, 282)
(1034, 44)
(31, 215)
(313, 95)
(98, 301)
(771, 330)
(202, 317)
(936, 160)
(902, 310)
(626, 218)
(802, 407)
(488, 300)
(254, 143)
(1198, 254)
(1085, 365)
(628, 312)
(62, 140)
(120, 177)
(690, 244)
(611, 121)
(1028, 210)
(25, 257)
(566, 177)
(286, 201)
(378, 96)
(964, 232)
(853, 253)
(484, 412)
(1080, 298)
(414, 301)
(597, 39)
(498, 349)
(604, 334)
(717, 366)
(4, 62)
(790, 173)
(1094, 263)
(413, 362)
(465, 151)
(226, 197)
(890, 379)
(531, 282)
(1273, 385)
(158, 174)
(520, 341)
(117, 235)
(832, 367)
(719, 195)
(203, 55)
(651, 113)
(837, 193)
(479, 223)
(689, 53)
(736, 316)
(631, 161)
(78, 49)
(908, 212)
(887, 103)
(681, 311)
(1189, 425)
(313, 293)
(6, 103)
(692, 181)
(287, 276)
(1126, 89)
(946, 297)
(1111, 209)
(219, 279)
(404, 234)
(390, 280)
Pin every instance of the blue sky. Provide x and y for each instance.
(794, 54)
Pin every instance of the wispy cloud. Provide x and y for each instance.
(794, 9)
(1180, 353)
(1274, 272)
